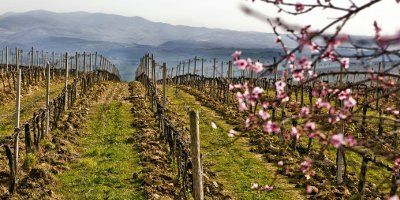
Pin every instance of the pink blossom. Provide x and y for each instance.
(310, 189)
(236, 55)
(395, 197)
(291, 57)
(238, 86)
(338, 140)
(264, 115)
(345, 94)
(305, 63)
(350, 102)
(257, 91)
(304, 111)
(323, 104)
(350, 141)
(391, 110)
(280, 85)
(310, 126)
(396, 165)
(258, 67)
(377, 31)
(345, 62)
(271, 127)
(247, 123)
(267, 188)
(241, 64)
(232, 133)
(280, 163)
(283, 97)
(278, 39)
(298, 75)
(306, 165)
(295, 133)
(314, 47)
(242, 106)
(299, 7)
(254, 186)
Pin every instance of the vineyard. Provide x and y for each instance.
(189, 138)
(181, 135)
(313, 115)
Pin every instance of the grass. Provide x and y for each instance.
(30, 103)
(230, 158)
(107, 161)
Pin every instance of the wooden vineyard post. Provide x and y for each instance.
(195, 65)
(213, 80)
(275, 80)
(340, 153)
(17, 122)
(228, 82)
(188, 70)
(147, 64)
(101, 62)
(42, 63)
(222, 70)
(76, 66)
(172, 73)
(37, 58)
(202, 74)
(66, 82)
(363, 172)
(95, 60)
(7, 59)
(47, 99)
(177, 73)
(52, 58)
(164, 74)
(153, 69)
(164, 100)
(90, 62)
(84, 62)
(18, 96)
(183, 68)
(202, 67)
(198, 193)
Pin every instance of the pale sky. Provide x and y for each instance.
(212, 13)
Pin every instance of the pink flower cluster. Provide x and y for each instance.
(310, 189)
(247, 98)
(280, 91)
(392, 111)
(395, 197)
(271, 127)
(299, 7)
(396, 165)
(246, 64)
(255, 186)
(306, 168)
(348, 100)
(339, 139)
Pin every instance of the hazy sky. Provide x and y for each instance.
(211, 13)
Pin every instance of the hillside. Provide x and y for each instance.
(122, 39)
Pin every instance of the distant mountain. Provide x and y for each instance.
(34, 25)
(125, 39)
